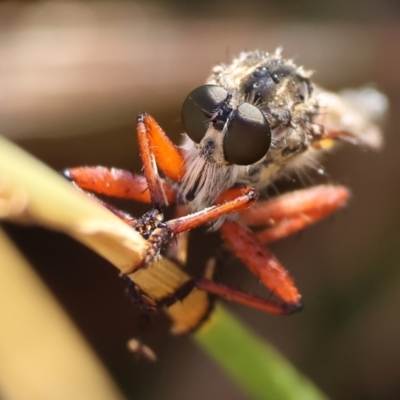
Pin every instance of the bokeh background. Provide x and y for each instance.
(73, 77)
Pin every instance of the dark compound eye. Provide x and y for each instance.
(248, 137)
(198, 107)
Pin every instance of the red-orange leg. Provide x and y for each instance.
(158, 197)
(247, 299)
(261, 262)
(294, 211)
(287, 214)
(235, 200)
(116, 183)
(156, 148)
(168, 156)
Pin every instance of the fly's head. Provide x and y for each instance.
(254, 111)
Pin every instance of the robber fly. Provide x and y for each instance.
(254, 120)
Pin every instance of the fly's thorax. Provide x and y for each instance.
(279, 88)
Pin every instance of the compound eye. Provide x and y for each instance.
(248, 137)
(198, 108)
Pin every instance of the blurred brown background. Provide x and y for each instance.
(73, 77)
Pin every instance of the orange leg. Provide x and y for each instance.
(287, 214)
(261, 262)
(235, 200)
(294, 211)
(168, 157)
(322, 199)
(157, 149)
(245, 298)
(157, 194)
(116, 183)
